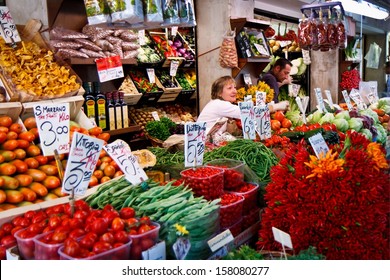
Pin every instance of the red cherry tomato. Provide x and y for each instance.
(100, 247)
(127, 213)
(118, 224)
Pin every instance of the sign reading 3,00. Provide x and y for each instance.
(53, 126)
(83, 156)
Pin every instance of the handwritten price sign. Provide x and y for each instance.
(247, 119)
(83, 156)
(263, 121)
(53, 126)
(109, 68)
(120, 152)
(194, 143)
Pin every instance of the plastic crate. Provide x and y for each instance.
(235, 229)
(143, 242)
(26, 246)
(251, 197)
(210, 187)
(119, 253)
(45, 251)
(233, 172)
(231, 213)
(250, 219)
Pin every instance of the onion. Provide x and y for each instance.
(177, 44)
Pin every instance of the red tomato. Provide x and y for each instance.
(76, 233)
(7, 227)
(121, 236)
(88, 240)
(81, 214)
(82, 205)
(35, 228)
(8, 241)
(59, 237)
(108, 207)
(118, 224)
(146, 243)
(107, 237)
(15, 229)
(99, 226)
(143, 228)
(145, 220)
(3, 255)
(75, 223)
(40, 216)
(132, 222)
(135, 252)
(54, 222)
(29, 214)
(127, 213)
(72, 248)
(109, 216)
(100, 247)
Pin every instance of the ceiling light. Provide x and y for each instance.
(364, 8)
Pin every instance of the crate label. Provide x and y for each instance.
(83, 156)
(151, 75)
(157, 252)
(247, 119)
(220, 240)
(8, 28)
(53, 126)
(194, 143)
(109, 68)
(347, 100)
(120, 152)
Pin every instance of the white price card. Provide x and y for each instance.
(260, 98)
(8, 29)
(151, 75)
(155, 116)
(120, 152)
(357, 98)
(220, 240)
(194, 143)
(347, 100)
(174, 30)
(53, 127)
(372, 96)
(319, 145)
(261, 49)
(173, 67)
(282, 237)
(263, 121)
(83, 156)
(157, 252)
(247, 79)
(320, 100)
(181, 248)
(247, 119)
(248, 98)
(329, 98)
(141, 37)
(109, 68)
(302, 105)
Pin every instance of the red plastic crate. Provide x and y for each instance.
(143, 242)
(251, 196)
(250, 219)
(233, 172)
(231, 213)
(235, 229)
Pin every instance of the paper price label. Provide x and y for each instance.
(260, 98)
(357, 98)
(109, 68)
(247, 79)
(8, 29)
(181, 248)
(263, 121)
(319, 145)
(282, 237)
(194, 143)
(261, 49)
(151, 75)
(248, 98)
(247, 119)
(83, 156)
(174, 30)
(293, 89)
(53, 126)
(347, 100)
(141, 37)
(320, 100)
(155, 116)
(329, 97)
(120, 152)
(173, 67)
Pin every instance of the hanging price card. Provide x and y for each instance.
(357, 98)
(372, 96)
(173, 67)
(194, 143)
(319, 145)
(151, 75)
(141, 37)
(248, 98)
(329, 97)
(347, 100)
(263, 121)
(83, 156)
(247, 79)
(260, 98)
(120, 152)
(109, 68)
(53, 126)
(320, 100)
(174, 30)
(247, 119)
(8, 29)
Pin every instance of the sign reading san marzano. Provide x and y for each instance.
(83, 156)
(53, 127)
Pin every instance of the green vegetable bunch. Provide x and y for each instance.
(160, 129)
(243, 253)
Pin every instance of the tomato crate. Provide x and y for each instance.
(233, 172)
(235, 229)
(250, 192)
(119, 253)
(252, 218)
(231, 213)
(144, 241)
(46, 251)
(206, 181)
(26, 246)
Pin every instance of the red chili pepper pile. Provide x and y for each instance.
(350, 79)
(231, 209)
(205, 181)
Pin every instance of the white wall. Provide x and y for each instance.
(23, 10)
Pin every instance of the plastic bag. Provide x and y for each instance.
(96, 13)
(373, 55)
(153, 12)
(187, 12)
(129, 11)
(228, 53)
(170, 12)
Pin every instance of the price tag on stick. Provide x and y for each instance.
(347, 100)
(320, 100)
(260, 98)
(194, 143)
(83, 156)
(247, 119)
(247, 79)
(173, 67)
(329, 97)
(302, 105)
(120, 152)
(53, 127)
(319, 145)
(263, 121)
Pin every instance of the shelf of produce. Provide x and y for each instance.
(133, 128)
(90, 61)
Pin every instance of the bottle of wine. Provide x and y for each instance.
(110, 111)
(125, 113)
(118, 110)
(89, 104)
(100, 106)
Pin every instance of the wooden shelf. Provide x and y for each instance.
(243, 61)
(239, 23)
(133, 128)
(91, 61)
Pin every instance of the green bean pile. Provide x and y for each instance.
(164, 157)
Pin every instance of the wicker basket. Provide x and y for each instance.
(155, 142)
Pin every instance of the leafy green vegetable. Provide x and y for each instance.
(341, 124)
(315, 117)
(355, 124)
(308, 254)
(160, 129)
(327, 118)
(243, 253)
(343, 115)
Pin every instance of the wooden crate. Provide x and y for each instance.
(12, 109)
(131, 95)
(169, 94)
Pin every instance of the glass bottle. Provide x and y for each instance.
(110, 111)
(125, 113)
(101, 118)
(118, 110)
(89, 104)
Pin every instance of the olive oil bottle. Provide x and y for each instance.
(89, 103)
(118, 110)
